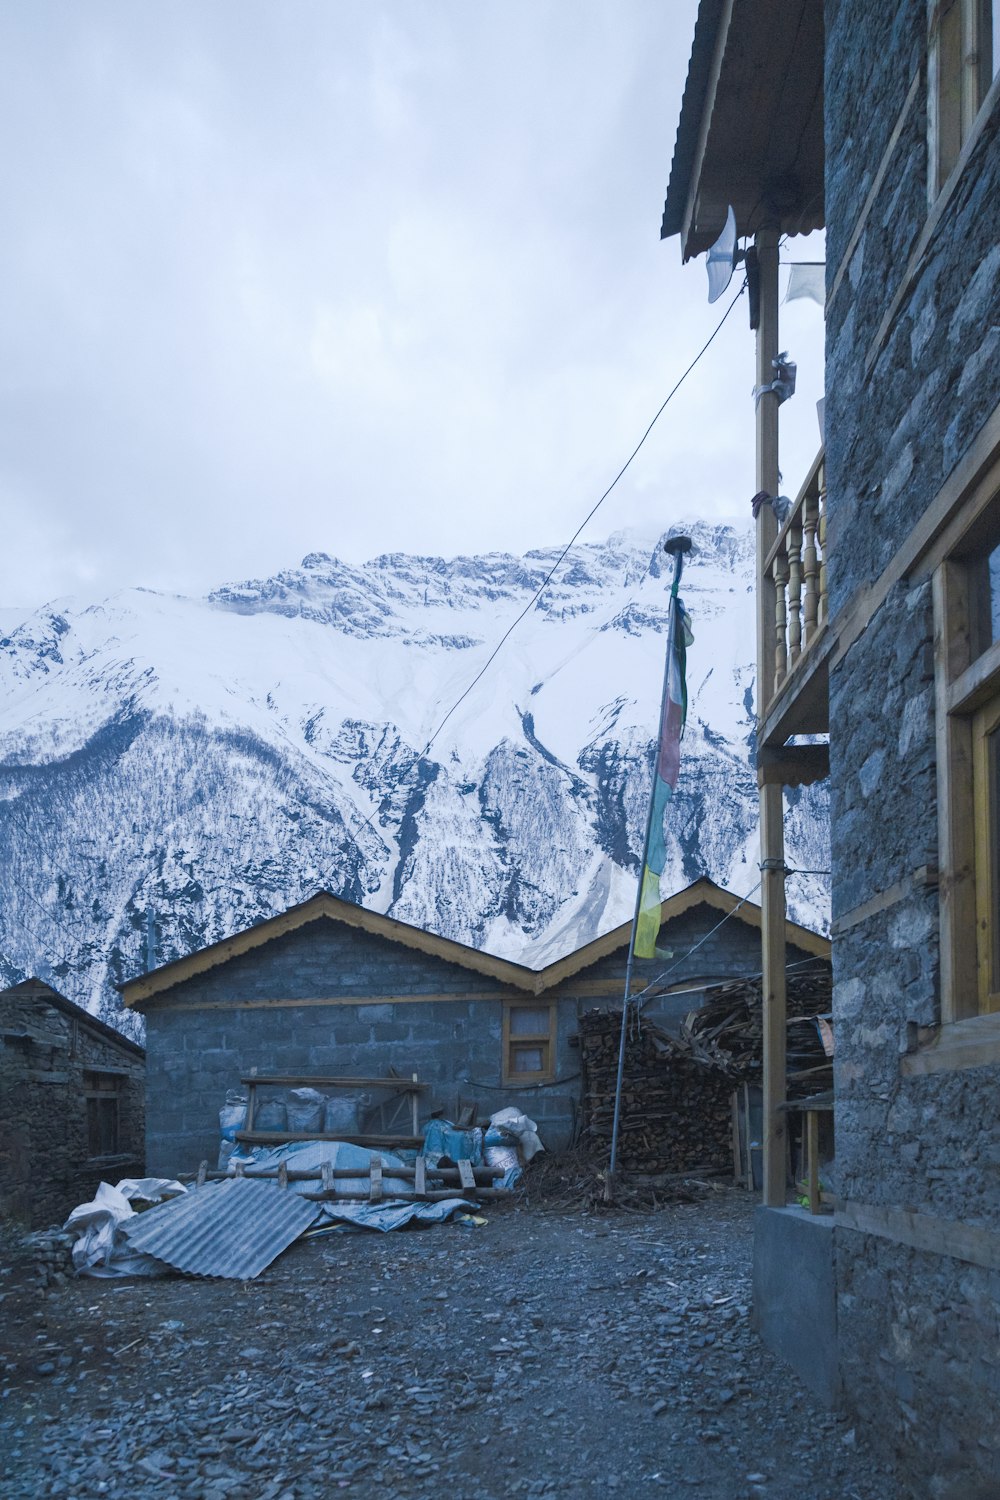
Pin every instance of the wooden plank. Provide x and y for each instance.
(284, 1137)
(415, 1103)
(419, 1177)
(398, 1085)
(466, 1176)
(976, 685)
(955, 802)
(202, 1174)
(282, 1174)
(375, 1180)
(812, 1159)
(327, 1172)
(327, 1176)
(936, 1236)
(970, 1043)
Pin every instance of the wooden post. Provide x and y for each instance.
(812, 1159)
(772, 833)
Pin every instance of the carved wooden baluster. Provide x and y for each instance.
(793, 543)
(779, 570)
(810, 565)
(821, 537)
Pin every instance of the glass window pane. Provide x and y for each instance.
(526, 1021)
(527, 1059)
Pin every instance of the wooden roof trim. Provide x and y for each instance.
(323, 904)
(702, 892)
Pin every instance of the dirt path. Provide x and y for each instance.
(543, 1354)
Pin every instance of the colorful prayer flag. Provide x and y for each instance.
(673, 712)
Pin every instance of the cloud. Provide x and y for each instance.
(350, 279)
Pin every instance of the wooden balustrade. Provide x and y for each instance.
(797, 567)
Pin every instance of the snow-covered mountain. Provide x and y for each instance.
(213, 761)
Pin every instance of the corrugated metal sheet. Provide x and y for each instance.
(233, 1229)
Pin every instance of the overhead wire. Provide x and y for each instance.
(505, 637)
(368, 820)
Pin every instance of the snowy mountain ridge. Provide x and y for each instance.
(216, 760)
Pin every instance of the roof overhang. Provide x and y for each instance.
(158, 981)
(751, 126)
(148, 987)
(702, 892)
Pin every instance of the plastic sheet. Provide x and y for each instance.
(443, 1140)
(386, 1216)
(102, 1249)
(309, 1156)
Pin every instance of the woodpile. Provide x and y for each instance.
(727, 1033)
(677, 1091)
(675, 1112)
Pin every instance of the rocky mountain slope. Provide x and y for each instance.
(197, 764)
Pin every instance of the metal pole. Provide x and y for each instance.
(676, 547)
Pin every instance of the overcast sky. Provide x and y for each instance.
(354, 277)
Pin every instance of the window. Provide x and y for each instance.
(963, 54)
(529, 1032)
(986, 802)
(967, 673)
(103, 1093)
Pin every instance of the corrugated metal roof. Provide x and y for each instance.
(233, 1229)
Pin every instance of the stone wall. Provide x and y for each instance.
(372, 1005)
(47, 1047)
(918, 1332)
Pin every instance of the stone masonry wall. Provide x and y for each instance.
(918, 1332)
(200, 1039)
(45, 1165)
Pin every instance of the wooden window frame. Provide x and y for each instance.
(960, 74)
(967, 707)
(108, 1090)
(547, 1040)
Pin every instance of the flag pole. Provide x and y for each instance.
(676, 547)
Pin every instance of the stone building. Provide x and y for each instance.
(879, 625)
(71, 1104)
(328, 989)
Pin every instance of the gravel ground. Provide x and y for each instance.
(563, 1354)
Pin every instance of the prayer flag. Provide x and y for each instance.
(673, 713)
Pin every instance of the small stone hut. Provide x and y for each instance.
(71, 1104)
(328, 989)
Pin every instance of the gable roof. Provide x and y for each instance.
(323, 904)
(703, 892)
(37, 989)
(533, 981)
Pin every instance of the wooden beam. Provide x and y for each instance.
(971, 1043)
(968, 1242)
(772, 837)
(792, 765)
(955, 810)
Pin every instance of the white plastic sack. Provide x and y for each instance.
(518, 1125)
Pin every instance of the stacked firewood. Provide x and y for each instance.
(727, 1033)
(675, 1111)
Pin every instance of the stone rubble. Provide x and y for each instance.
(544, 1354)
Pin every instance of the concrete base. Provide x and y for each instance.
(795, 1297)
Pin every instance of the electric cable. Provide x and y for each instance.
(368, 822)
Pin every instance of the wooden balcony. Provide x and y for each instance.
(794, 694)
